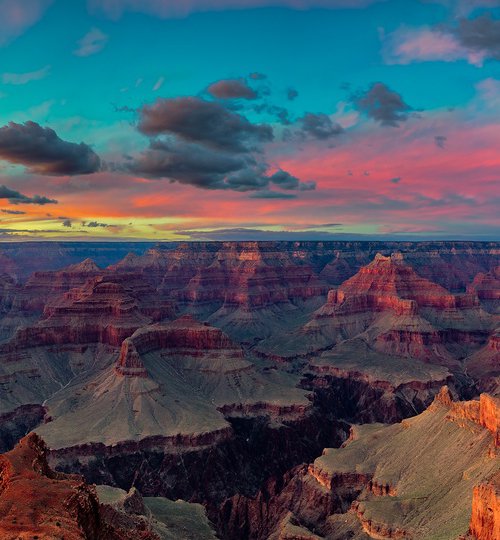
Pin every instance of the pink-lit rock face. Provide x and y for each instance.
(185, 336)
(397, 312)
(388, 280)
(105, 309)
(37, 502)
(485, 519)
(487, 288)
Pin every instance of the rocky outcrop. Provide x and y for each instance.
(485, 519)
(107, 309)
(36, 502)
(392, 482)
(183, 333)
(484, 412)
(487, 288)
(396, 312)
(44, 286)
(129, 363)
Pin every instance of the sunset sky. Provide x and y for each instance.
(249, 119)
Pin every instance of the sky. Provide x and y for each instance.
(249, 119)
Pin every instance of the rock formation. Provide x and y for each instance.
(485, 519)
(487, 288)
(173, 381)
(396, 312)
(388, 482)
(36, 502)
(65, 507)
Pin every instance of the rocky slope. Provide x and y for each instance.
(175, 379)
(201, 421)
(388, 482)
(396, 312)
(65, 507)
(60, 506)
(79, 331)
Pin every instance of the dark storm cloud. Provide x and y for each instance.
(291, 94)
(43, 152)
(189, 163)
(440, 141)
(285, 180)
(281, 114)
(382, 104)
(202, 167)
(13, 212)
(200, 121)
(15, 197)
(206, 145)
(232, 89)
(480, 34)
(319, 126)
(272, 195)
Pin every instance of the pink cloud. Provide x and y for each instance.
(448, 191)
(453, 190)
(18, 15)
(408, 45)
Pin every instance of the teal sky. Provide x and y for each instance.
(94, 93)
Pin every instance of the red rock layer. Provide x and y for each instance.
(484, 412)
(44, 286)
(485, 519)
(36, 502)
(487, 288)
(185, 335)
(107, 309)
(404, 314)
(249, 274)
(388, 280)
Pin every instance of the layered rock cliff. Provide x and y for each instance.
(36, 502)
(387, 482)
(396, 312)
(485, 519)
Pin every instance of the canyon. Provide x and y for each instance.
(282, 390)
